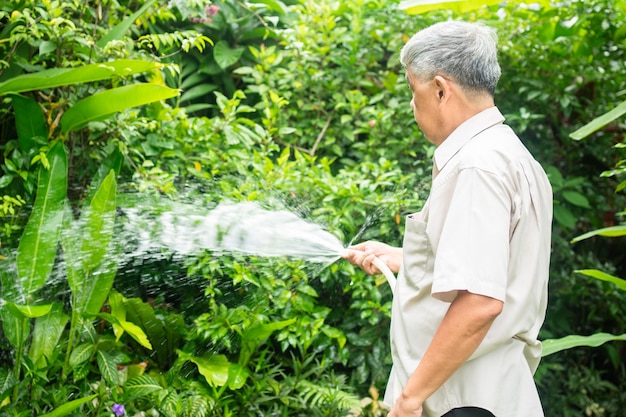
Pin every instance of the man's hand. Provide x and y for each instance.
(363, 254)
(404, 407)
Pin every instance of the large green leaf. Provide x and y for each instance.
(599, 122)
(603, 276)
(29, 122)
(46, 335)
(122, 28)
(68, 407)
(57, 77)
(38, 245)
(109, 102)
(551, 346)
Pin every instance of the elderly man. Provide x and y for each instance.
(473, 268)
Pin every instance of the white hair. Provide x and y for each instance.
(465, 52)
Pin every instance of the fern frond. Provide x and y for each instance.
(327, 395)
(185, 40)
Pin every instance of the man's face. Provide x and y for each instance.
(425, 105)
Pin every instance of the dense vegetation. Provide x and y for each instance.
(118, 106)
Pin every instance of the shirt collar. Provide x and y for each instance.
(464, 133)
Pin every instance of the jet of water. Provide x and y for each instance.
(244, 228)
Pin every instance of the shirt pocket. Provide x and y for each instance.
(417, 258)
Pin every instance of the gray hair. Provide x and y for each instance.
(466, 52)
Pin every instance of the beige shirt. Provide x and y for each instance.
(485, 228)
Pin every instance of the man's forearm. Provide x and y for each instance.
(461, 331)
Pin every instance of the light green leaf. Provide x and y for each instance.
(274, 5)
(613, 231)
(225, 56)
(603, 276)
(116, 302)
(551, 346)
(106, 103)
(599, 122)
(29, 311)
(68, 407)
(214, 368)
(38, 245)
(57, 77)
(132, 329)
(460, 6)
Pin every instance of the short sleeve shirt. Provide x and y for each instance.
(486, 229)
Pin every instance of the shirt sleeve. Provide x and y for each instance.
(473, 251)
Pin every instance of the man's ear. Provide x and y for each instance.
(442, 88)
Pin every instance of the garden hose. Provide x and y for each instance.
(391, 278)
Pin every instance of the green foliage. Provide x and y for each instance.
(294, 105)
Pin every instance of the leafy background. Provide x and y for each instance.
(295, 104)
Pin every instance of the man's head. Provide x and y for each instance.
(464, 52)
(452, 69)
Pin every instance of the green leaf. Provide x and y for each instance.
(106, 103)
(57, 77)
(29, 122)
(81, 353)
(116, 303)
(122, 28)
(214, 368)
(98, 221)
(132, 329)
(274, 5)
(143, 315)
(68, 407)
(603, 276)
(551, 346)
(12, 327)
(576, 199)
(599, 122)
(108, 367)
(460, 6)
(29, 311)
(141, 386)
(613, 231)
(38, 245)
(46, 335)
(225, 56)
(257, 334)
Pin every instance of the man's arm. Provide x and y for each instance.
(461, 331)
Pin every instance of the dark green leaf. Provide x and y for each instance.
(38, 246)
